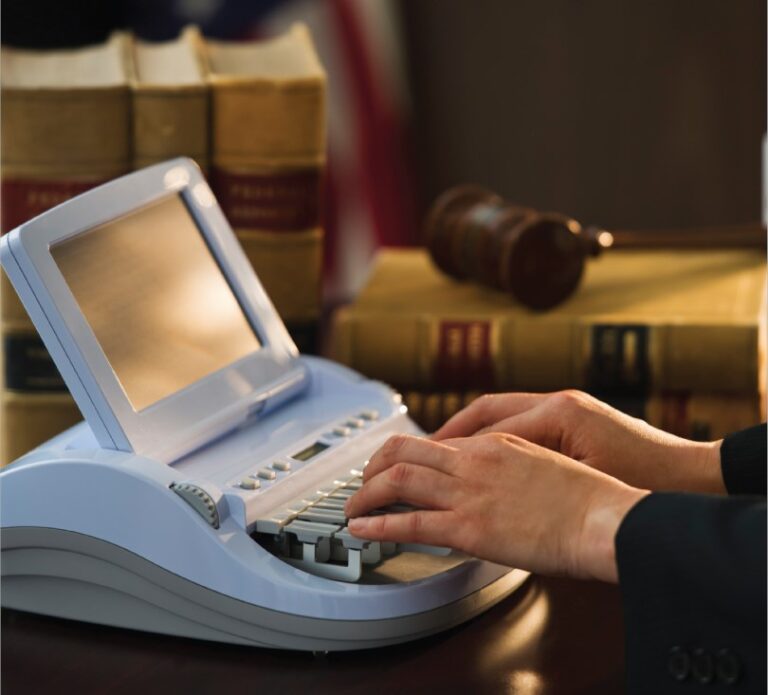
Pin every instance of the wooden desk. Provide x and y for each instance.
(553, 636)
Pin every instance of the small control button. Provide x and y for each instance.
(281, 465)
(370, 415)
(267, 474)
(355, 423)
(250, 484)
(341, 431)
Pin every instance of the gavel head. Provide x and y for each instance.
(473, 234)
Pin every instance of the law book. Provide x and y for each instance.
(697, 416)
(268, 142)
(170, 100)
(34, 402)
(66, 127)
(642, 322)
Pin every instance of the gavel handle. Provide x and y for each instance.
(731, 237)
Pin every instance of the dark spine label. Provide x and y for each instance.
(28, 366)
(619, 360)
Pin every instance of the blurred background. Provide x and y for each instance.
(628, 115)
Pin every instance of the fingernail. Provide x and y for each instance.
(358, 525)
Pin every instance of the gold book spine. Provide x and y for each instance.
(268, 143)
(12, 311)
(57, 142)
(170, 122)
(496, 353)
(263, 123)
(29, 419)
(52, 134)
(290, 267)
(170, 100)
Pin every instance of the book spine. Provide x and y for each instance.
(493, 353)
(291, 272)
(268, 157)
(29, 419)
(169, 123)
(697, 416)
(56, 143)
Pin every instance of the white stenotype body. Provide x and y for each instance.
(203, 496)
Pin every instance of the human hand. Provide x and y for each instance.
(497, 497)
(587, 430)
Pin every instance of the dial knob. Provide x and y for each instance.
(199, 500)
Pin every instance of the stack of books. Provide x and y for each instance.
(674, 337)
(252, 114)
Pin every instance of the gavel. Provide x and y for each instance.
(539, 257)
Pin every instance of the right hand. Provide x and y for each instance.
(590, 431)
(496, 497)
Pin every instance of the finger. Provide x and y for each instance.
(533, 426)
(423, 526)
(487, 411)
(405, 447)
(404, 482)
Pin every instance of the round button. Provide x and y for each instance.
(728, 667)
(678, 663)
(703, 666)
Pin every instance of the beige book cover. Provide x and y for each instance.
(268, 102)
(65, 117)
(641, 321)
(29, 419)
(287, 267)
(268, 148)
(170, 100)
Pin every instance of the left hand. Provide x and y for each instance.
(499, 498)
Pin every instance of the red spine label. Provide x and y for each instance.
(23, 199)
(464, 356)
(282, 202)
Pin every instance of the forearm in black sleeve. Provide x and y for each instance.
(692, 571)
(743, 461)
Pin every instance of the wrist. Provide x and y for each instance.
(602, 519)
(706, 469)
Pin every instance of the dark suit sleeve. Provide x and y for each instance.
(692, 571)
(743, 461)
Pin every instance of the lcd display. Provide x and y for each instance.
(156, 300)
(310, 451)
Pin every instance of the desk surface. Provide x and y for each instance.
(553, 636)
